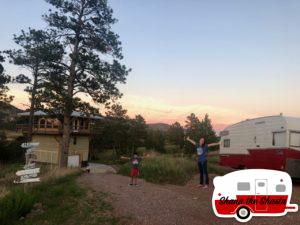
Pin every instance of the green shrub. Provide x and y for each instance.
(11, 151)
(172, 149)
(164, 169)
(15, 205)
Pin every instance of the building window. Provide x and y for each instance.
(55, 124)
(49, 124)
(76, 124)
(279, 139)
(294, 139)
(86, 124)
(42, 123)
(74, 140)
(226, 143)
(243, 186)
(81, 124)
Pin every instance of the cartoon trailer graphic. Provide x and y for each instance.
(256, 192)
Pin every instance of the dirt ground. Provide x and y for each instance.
(152, 204)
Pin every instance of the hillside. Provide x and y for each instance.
(8, 112)
(159, 126)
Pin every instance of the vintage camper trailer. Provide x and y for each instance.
(254, 192)
(47, 131)
(271, 142)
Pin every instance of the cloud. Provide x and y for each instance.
(155, 110)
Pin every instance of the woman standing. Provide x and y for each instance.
(202, 149)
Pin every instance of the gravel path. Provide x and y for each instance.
(152, 204)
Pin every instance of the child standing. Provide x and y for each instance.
(135, 162)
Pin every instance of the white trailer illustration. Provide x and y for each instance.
(254, 192)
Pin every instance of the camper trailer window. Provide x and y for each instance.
(261, 184)
(226, 143)
(279, 139)
(243, 186)
(294, 139)
(280, 188)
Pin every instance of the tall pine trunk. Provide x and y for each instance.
(69, 107)
(65, 141)
(32, 107)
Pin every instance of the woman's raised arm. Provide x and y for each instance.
(191, 141)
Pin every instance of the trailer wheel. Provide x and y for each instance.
(243, 213)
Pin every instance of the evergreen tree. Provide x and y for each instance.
(155, 140)
(37, 50)
(137, 132)
(5, 99)
(175, 134)
(196, 129)
(4, 80)
(83, 28)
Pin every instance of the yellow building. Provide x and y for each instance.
(47, 131)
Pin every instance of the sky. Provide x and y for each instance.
(233, 59)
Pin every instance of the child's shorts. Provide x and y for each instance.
(134, 172)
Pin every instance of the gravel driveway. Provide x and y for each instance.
(152, 204)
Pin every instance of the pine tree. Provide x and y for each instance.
(175, 134)
(4, 80)
(83, 28)
(37, 51)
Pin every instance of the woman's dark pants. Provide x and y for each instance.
(203, 172)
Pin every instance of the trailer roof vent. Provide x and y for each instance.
(260, 122)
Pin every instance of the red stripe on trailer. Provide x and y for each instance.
(259, 204)
(268, 158)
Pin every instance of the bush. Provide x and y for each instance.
(15, 205)
(164, 169)
(11, 151)
(173, 149)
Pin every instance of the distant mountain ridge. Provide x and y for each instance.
(159, 126)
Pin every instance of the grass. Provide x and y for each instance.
(213, 159)
(56, 200)
(14, 205)
(7, 176)
(64, 201)
(164, 169)
(107, 157)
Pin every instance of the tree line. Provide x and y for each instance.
(124, 135)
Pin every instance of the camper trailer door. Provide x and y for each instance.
(261, 190)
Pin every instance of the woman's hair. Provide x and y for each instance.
(204, 143)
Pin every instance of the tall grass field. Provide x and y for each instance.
(164, 169)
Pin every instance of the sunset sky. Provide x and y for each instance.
(231, 59)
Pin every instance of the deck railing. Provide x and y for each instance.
(46, 156)
(38, 129)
